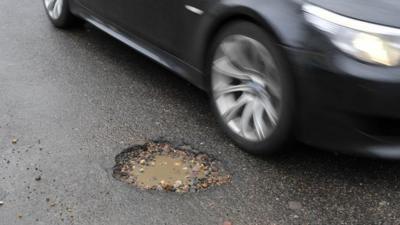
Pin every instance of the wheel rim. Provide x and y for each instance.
(54, 8)
(246, 87)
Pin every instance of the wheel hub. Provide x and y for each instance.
(257, 88)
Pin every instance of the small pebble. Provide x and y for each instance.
(178, 184)
(294, 205)
(383, 203)
(227, 223)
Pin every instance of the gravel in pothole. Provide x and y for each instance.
(160, 166)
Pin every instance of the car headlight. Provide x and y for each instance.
(368, 42)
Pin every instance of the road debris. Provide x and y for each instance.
(1, 203)
(293, 205)
(227, 223)
(160, 166)
(14, 141)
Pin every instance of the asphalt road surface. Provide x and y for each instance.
(74, 99)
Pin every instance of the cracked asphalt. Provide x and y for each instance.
(76, 98)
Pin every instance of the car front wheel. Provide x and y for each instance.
(251, 88)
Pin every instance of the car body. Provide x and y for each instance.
(343, 101)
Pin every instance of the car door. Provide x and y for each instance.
(106, 10)
(156, 21)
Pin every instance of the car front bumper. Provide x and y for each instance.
(346, 105)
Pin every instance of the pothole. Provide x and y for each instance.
(161, 166)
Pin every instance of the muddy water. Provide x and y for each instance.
(166, 170)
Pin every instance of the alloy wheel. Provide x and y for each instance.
(246, 87)
(54, 8)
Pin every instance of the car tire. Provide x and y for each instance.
(58, 11)
(246, 39)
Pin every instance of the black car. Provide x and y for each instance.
(325, 72)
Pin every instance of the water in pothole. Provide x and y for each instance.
(160, 166)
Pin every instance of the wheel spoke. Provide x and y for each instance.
(54, 8)
(232, 50)
(224, 67)
(57, 9)
(258, 121)
(50, 4)
(230, 114)
(237, 51)
(245, 119)
(270, 110)
(232, 89)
